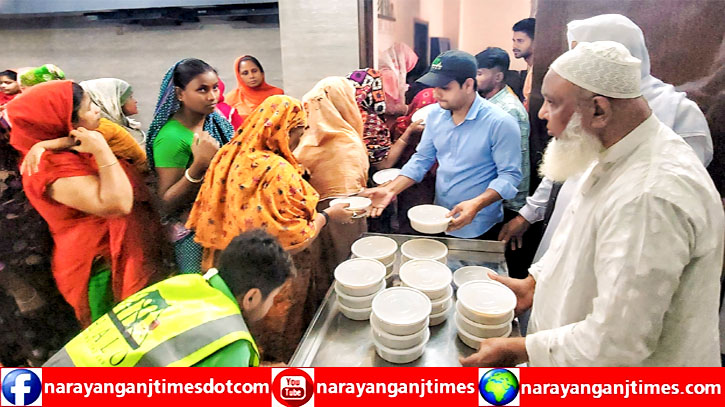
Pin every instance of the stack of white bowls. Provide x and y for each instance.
(433, 279)
(380, 248)
(399, 324)
(484, 310)
(357, 282)
(424, 249)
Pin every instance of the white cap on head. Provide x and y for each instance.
(603, 67)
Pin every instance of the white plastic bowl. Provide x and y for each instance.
(486, 302)
(474, 341)
(430, 219)
(356, 302)
(396, 341)
(401, 310)
(360, 277)
(429, 276)
(386, 175)
(339, 288)
(355, 314)
(439, 318)
(355, 202)
(480, 319)
(424, 249)
(401, 355)
(375, 247)
(471, 273)
(480, 330)
(441, 305)
(422, 113)
(358, 204)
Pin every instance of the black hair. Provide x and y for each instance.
(254, 259)
(461, 81)
(527, 25)
(189, 69)
(493, 57)
(78, 93)
(10, 74)
(253, 59)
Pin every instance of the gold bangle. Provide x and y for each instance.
(401, 139)
(108, 165)
(192, 179)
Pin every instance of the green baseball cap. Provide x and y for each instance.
(450, 66)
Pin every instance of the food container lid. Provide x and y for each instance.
(360, 273)
(425, 275)
(401, 306)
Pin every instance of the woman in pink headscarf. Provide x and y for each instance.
(227, 111)
(395, 63)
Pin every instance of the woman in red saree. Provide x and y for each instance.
(96, 206)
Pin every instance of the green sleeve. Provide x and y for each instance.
(236, 354)
(172, 146)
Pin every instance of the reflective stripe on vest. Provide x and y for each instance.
(177, 322)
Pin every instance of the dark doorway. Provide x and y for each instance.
(420, 46)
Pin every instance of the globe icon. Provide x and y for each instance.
(499, 387)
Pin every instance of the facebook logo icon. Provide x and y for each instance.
(22, 387)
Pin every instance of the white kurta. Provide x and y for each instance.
(632, 276)
(566, 193)
(673, 108)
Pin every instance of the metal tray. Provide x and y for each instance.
(334, 340)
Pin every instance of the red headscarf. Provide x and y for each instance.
(6, 98)
(245, 99)
(422, 99)
(44, 113)
(227, 111)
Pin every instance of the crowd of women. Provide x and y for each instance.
(93, 208)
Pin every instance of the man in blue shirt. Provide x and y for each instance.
(477, 146)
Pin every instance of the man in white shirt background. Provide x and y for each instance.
(632, 276)
(673, 108)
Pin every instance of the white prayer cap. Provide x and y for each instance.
(603, 67)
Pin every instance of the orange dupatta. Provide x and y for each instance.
(332, 148)
(254, 182)
(245, 99)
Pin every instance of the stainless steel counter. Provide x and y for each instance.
(334, 340)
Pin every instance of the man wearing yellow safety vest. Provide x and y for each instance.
(189, 319)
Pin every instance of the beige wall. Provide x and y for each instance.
(388, 32)
(443, 17)
(487, 23)
(471, 25)
(319, 38)
(139, 55)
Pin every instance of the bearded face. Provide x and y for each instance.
(571, 153)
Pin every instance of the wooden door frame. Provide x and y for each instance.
(366, 45)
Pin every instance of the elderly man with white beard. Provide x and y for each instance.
(632, 276)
